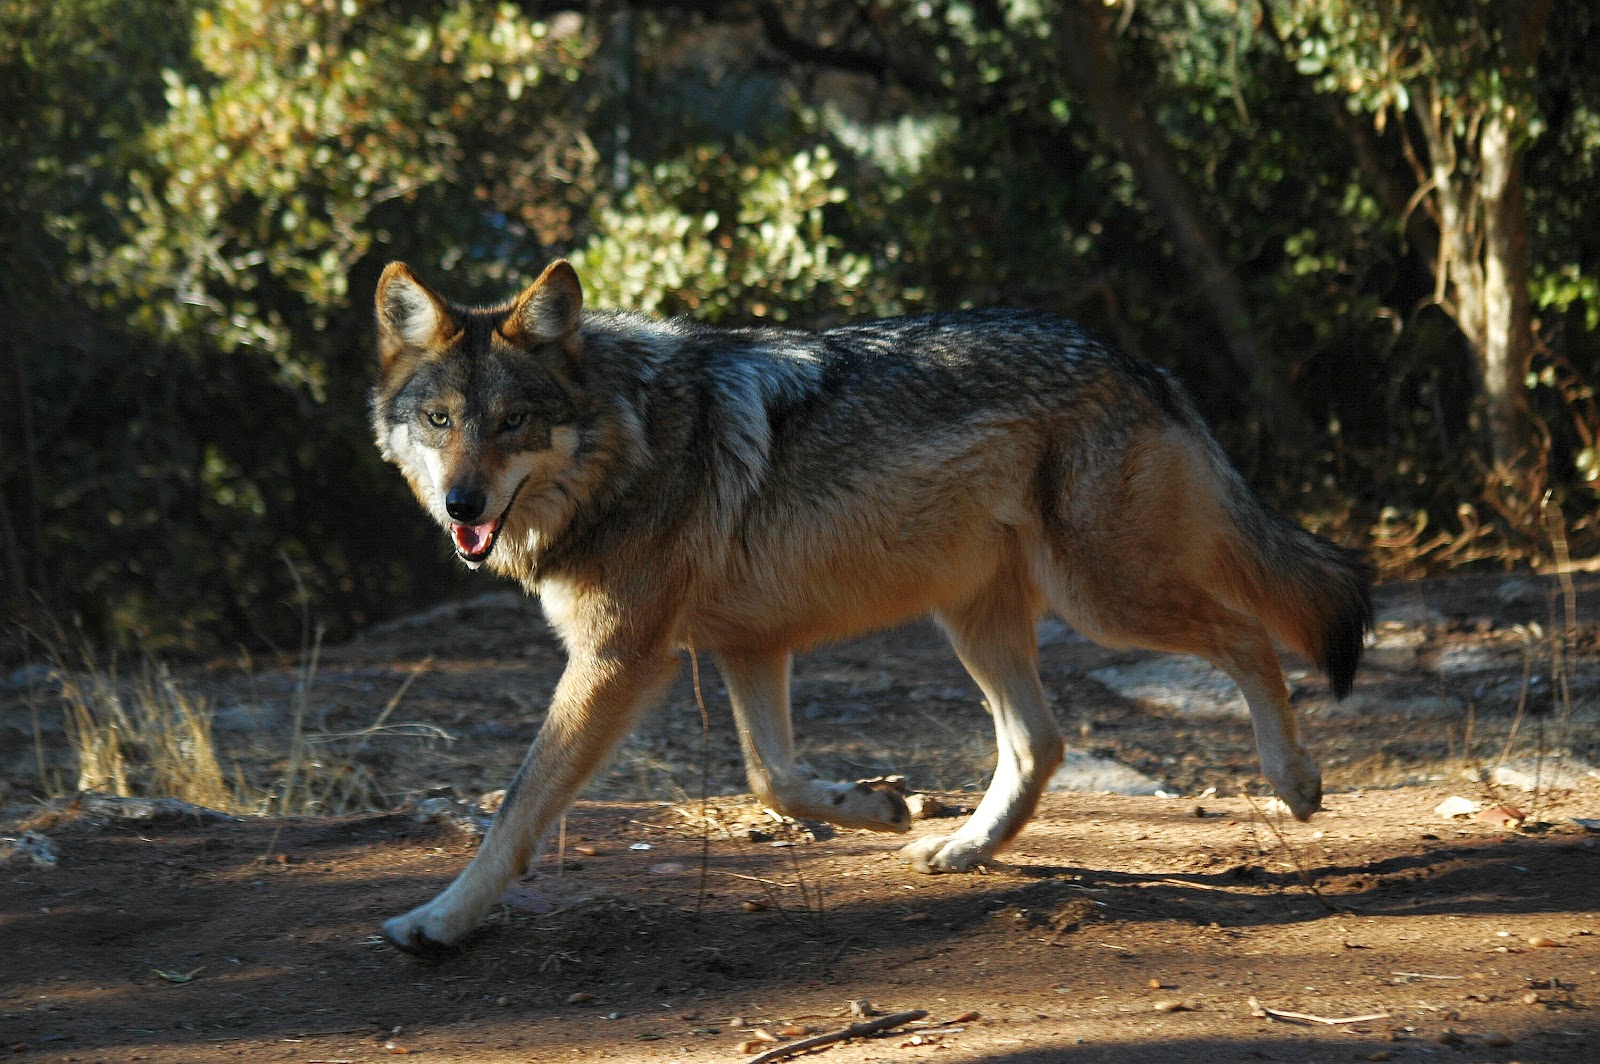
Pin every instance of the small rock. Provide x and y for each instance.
(1530, 998)
(861, 1009)
(1186, 686)
(502, 1001)
(1084, 773)
(1170, 1006)
(1496, 1040)
(1534, 773)
(753, 906)
(582, 997)
(1407, 612)
(1395, 646)
(1456, 806)
(1543, 942)
(916, 918)
(587, 851)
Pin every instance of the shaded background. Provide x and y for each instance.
(1363, 232)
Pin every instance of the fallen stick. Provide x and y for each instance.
(1261, 1011)
(1187, 883)
(855, 1030)
(752, 879)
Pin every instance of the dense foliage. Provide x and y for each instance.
(1361, 230)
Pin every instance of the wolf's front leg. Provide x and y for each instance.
(758, 687)
(595, 705)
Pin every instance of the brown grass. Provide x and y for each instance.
(144, 737)
(150, 736)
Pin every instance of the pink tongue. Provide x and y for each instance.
(473, 539)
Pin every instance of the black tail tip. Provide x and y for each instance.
(1347, 638)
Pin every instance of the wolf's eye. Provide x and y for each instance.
(515, 421)
(438, 418)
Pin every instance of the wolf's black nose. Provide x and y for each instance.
(464, 504)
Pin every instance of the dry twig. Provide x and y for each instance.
(855, 1030)
(1260, 1011)
(1170, 882)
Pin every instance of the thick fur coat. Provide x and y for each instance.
(752, 492)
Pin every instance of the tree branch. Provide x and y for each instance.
(1090, 62)
(847, 60)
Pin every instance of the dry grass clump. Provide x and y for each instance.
(145, 737)
(148, 736)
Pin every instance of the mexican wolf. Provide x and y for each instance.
(754, 492)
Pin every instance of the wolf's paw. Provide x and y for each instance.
(944, 853)
(871, 804)
(1298, 785)
(424, 931)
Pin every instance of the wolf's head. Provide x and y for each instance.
(478, 407)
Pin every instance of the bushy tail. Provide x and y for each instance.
(1314, 595)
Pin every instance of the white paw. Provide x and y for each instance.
(873, 806)
(945, 853)
(428, 930)
(1298, 784)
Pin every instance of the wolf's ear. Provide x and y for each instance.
(409, 313)
(547, 310)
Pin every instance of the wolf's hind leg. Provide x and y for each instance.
(1165, 610)
(994, 637)
(1246, 655)
(758, 687)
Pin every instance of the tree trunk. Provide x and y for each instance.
(1507, 317)
(23, 562)
(1483, 271)
(1089, 50)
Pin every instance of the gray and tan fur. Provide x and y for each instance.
(754, 492)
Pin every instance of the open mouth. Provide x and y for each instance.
(474, 542)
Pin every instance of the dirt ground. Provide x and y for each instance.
(690, 929)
